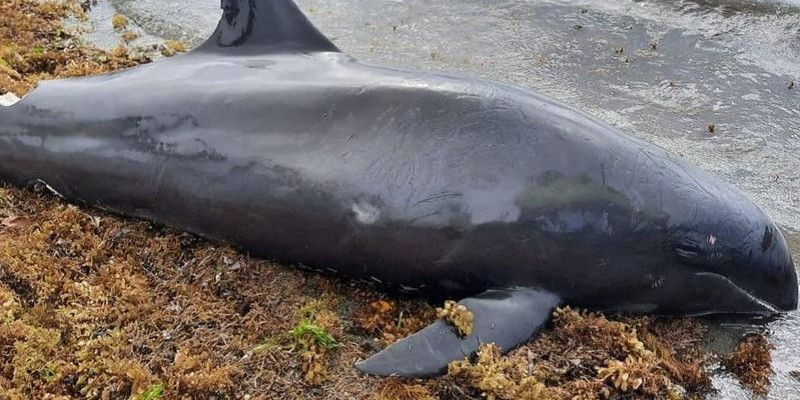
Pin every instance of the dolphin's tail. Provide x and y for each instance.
(265, 26)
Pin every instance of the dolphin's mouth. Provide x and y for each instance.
(730, 298)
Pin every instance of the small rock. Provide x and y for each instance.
(8, 99)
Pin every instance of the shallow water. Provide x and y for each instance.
(684, 66)
(99, 30)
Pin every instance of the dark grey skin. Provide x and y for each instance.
(269, 138)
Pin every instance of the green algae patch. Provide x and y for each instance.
(307, 333)
(556, 191)
(153, 392)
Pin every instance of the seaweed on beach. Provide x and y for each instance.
(97, 306)
(587, 356)
(751, 361)
(36, 44)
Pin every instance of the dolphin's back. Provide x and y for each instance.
(346, 173)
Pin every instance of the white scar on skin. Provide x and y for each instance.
(366, 213)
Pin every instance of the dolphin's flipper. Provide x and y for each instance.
(506, 317)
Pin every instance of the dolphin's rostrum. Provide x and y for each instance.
(270, 138)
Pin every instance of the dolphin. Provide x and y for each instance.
(269, 137)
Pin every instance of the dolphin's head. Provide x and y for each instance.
(737, 247)
(645, 231)
(727, 255)
(674, 242)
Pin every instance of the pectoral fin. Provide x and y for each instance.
(507, 317)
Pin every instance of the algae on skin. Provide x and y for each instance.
(562, 191)
(129, 36)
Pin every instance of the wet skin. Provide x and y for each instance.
(419, 181)
(423, 182)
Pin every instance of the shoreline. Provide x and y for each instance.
(229, 285)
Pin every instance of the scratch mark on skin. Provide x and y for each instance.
(437, 197)
(421, 217)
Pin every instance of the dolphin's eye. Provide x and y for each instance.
(691, 249)
(688, 251)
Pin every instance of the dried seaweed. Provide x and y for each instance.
(97, 306)
(751, 361)
(458, 316)
(395, 389)
(36, 45)
(588, 356)
(391, 322)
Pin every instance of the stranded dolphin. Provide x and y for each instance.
(270, 138)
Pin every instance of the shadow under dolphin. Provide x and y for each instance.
(270, 138)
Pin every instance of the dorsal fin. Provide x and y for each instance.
(266, 26)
